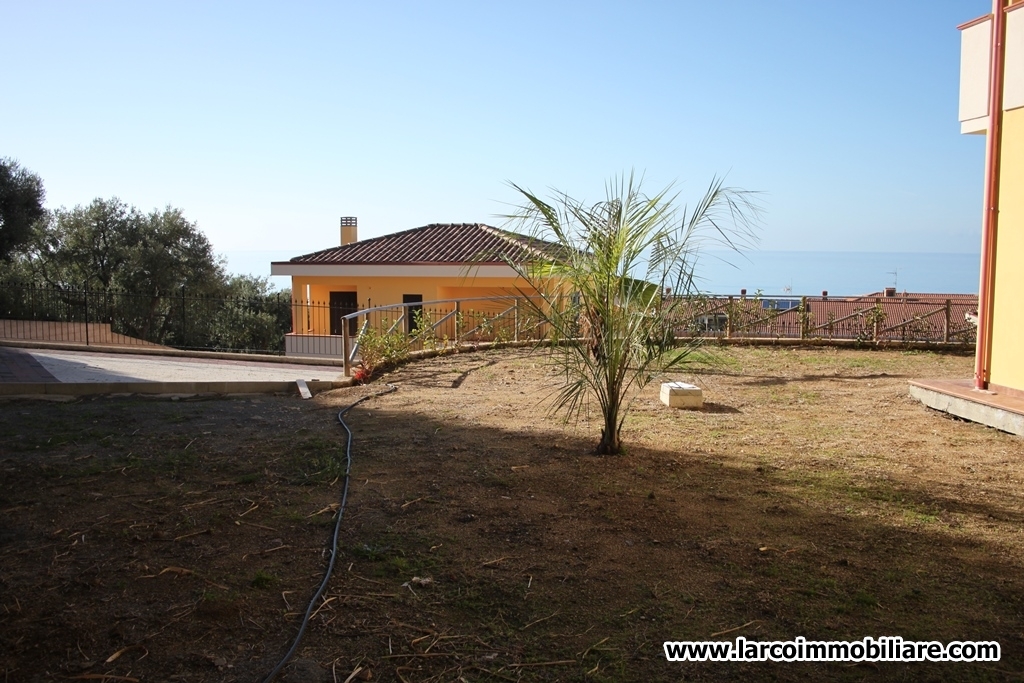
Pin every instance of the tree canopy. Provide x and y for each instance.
(152, 276)
(110, 245)
(604, 302)
(21, 205)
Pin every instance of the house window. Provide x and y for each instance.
(717, 322)
(779, 304)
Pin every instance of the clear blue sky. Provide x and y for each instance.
(266, 122)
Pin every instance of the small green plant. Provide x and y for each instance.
(423, 330)
(485, 328)
(503, 333)
(528, 325)
(460, 326)
(873, 319)
(371, 551)
(874, 315)
(262, 580)
(399, 565)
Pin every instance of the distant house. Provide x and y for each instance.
(435, 262)
(992, 104)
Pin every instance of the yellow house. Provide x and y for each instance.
(992, 104)
(440, 261)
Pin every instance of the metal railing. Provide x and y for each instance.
(277, 324)
(438, 325)
(918, 318)
(180, 320)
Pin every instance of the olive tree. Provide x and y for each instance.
(21, 205)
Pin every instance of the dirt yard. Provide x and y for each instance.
(160, 540)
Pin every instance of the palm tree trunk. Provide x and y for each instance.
(610, 443)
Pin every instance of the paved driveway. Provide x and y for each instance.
(49, 367)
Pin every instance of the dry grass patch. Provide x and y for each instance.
(811, 497)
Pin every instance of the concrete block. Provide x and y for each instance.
(681, 395)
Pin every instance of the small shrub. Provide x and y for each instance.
(378, 349)
(424, 330)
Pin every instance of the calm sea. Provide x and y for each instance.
(773, 272)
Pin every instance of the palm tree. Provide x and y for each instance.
(616, 280)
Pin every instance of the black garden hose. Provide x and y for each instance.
(334, 540)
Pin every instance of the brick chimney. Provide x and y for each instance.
(349, 230)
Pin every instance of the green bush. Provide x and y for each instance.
(379, 349)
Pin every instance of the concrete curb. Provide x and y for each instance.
(178, 353)
(13, 389)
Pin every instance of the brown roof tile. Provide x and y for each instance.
(437, 243)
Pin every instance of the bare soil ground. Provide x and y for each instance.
(159, 540)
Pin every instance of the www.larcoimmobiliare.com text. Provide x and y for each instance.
(884, 649)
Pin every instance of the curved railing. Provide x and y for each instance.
(279, 323)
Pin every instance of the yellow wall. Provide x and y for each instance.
(380, 291)
(1007, 365)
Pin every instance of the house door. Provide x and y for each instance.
(343, 303)
(412, 312)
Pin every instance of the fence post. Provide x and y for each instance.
(804, 317)
(344, 344)
(515, 333)
(728, 319)
(874, 316)
(86, 290)
(458, 322)
(183, 333)
(945, 325)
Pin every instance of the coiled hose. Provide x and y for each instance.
(334, 540)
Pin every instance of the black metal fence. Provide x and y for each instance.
(181, 320)
(276, 324)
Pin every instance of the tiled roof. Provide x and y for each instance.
(437, 243)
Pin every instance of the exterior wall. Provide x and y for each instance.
(1007, 365)
(381, 291)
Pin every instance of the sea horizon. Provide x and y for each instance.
(773, 273)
